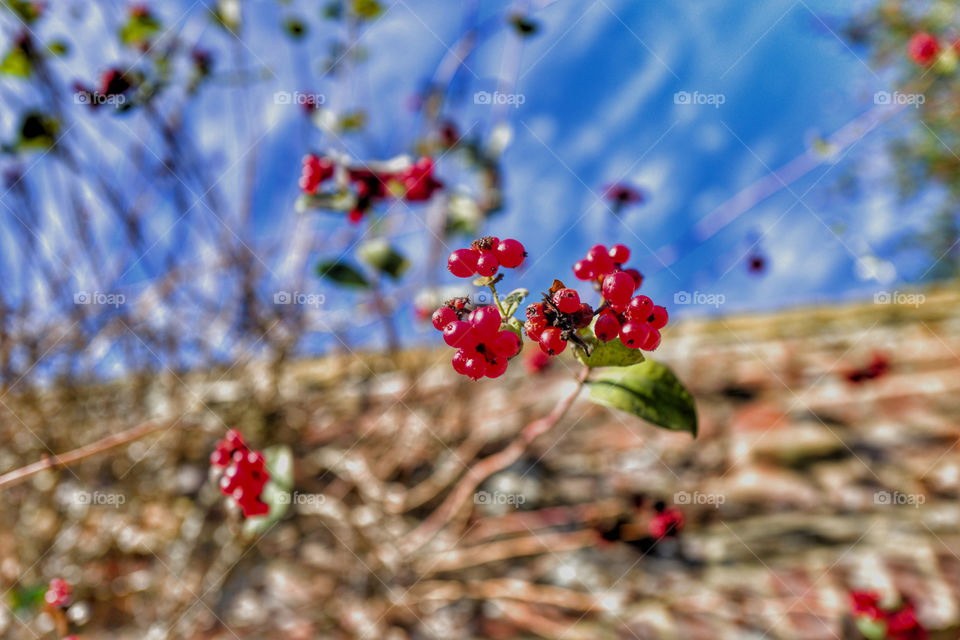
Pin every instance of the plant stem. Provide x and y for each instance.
(496, 299)
(104, 444)
(485, 468)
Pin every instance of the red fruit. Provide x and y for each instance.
(584, 315)
(315, 171)
(923, 48)
(584, 270)
(505, 345)
(510, 253)
(442, 317)
(485, 321)
(460, 334)
(617, 288)
(607, 327)
(460, 361)
(658, 317)
(463, 263)
(535, 311)
(636, 275)
(552, 342)
(418, 181)
(534, 328)
(474, 368)
(639, 309)
(652, 341)
(58, 593)
(537, 361)
(602, 262)
(488, 264)
(567, 300)
(496, 368)
(667, 523)
(619, 253)
(634, 334)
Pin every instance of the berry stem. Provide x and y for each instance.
(496, 299)
(61, 460)
(485, 468)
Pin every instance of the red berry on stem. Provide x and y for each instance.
(567, 300)
(552, 342)
(923, 48)
(584, 270)
(636, 275)
(496, 368)
(534, 328)
(510, 253)
(460, 361)
(506, 344)
(652, 341)
(584, 315)
(639, 308)
(619, 253)
(442, 317)
(607, 327)
(485, 320)
(634, 334)
(658, 317)
(617, 288)
(475, 368)
(488, 264)
(463, 263)
(460, 334)
(535, 311)
(602, 262)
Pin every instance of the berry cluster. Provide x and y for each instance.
(58, 594)
(601, 262)
(556, 320)
(485, 257)
(483, 347)
(415, 182)
(245, 476)
(638, 324)
(901, 623)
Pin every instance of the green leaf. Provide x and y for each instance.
(383, 257)
(343, 274)
(367, 9)
(139, 29)
(608, 354)
(514, 298)
(58, 47)
(276, 493)
(24, 9)
(16, 63)
(871, 629)
(37, 131)
(648, 390)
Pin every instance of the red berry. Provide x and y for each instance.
(474, 368)
(619, 253)
(485, 321)
(510, 253)
(602, 262)
(639, 309)
(567, 300)
(584, 270)
(496, 368)
(460, 334)
(463, 263)
(584, 315)
(552, 342)
(488, 264)
(442, 317)
(658, 318)
(534, 328)
(652, 341)
(506, 344)
(923, 48)
(535, 311)
(617, 288)
(58, 593)
(634, 334)
(460, 361)
(607, 327)
(636, 275)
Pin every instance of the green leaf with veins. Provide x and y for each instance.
(648, 390)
